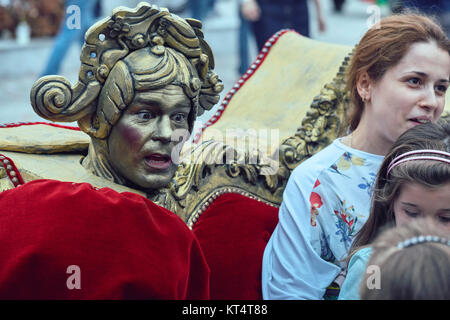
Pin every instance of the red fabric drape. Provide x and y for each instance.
(233, 233)
(126, 247)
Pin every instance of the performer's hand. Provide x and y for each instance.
(251, 10)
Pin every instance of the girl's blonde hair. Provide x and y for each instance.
(418, 271)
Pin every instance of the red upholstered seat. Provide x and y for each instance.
(233, 232)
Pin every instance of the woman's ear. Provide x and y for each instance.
(364, 86)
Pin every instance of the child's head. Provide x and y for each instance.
(412, 262)
(413, 181)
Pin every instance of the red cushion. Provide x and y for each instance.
(125, 245)
(233, 232)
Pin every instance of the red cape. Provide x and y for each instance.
(125, 246)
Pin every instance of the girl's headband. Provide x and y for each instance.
(401, 158)
(422, 239)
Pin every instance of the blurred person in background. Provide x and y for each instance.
(201, 8)
(269, 16)
(338, 4)
(73, 27)
(41, 16)
(245, 33)
(438, 8)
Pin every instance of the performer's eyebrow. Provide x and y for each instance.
(144, 100)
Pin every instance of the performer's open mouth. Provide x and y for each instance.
(158, 161)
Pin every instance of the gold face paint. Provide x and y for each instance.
(140, 144)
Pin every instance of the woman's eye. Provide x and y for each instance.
(441, 88)
(145, 115)
(179, 117)
(414, 81)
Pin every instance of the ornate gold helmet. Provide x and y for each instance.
(132, 50)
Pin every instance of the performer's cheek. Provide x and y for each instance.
(132, 137)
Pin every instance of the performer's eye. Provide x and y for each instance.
(145, 115)
(179, 117)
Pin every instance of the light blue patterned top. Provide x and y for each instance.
(355, 275)
(325, 203)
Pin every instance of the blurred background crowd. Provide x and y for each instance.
(36, 38)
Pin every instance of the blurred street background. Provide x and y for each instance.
(22, 60)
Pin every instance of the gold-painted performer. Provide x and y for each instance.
(145, 73)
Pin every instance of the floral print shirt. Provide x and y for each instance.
(325, 203)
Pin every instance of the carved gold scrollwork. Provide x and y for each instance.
(53, 98)
(108, 42)
(323, 123)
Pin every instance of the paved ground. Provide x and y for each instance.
(20, 66)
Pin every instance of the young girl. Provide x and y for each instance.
(413, 182)
(391, 275)
(397, 78)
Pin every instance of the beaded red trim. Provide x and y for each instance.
(19, 124)
(250, 71)
(11, 171)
